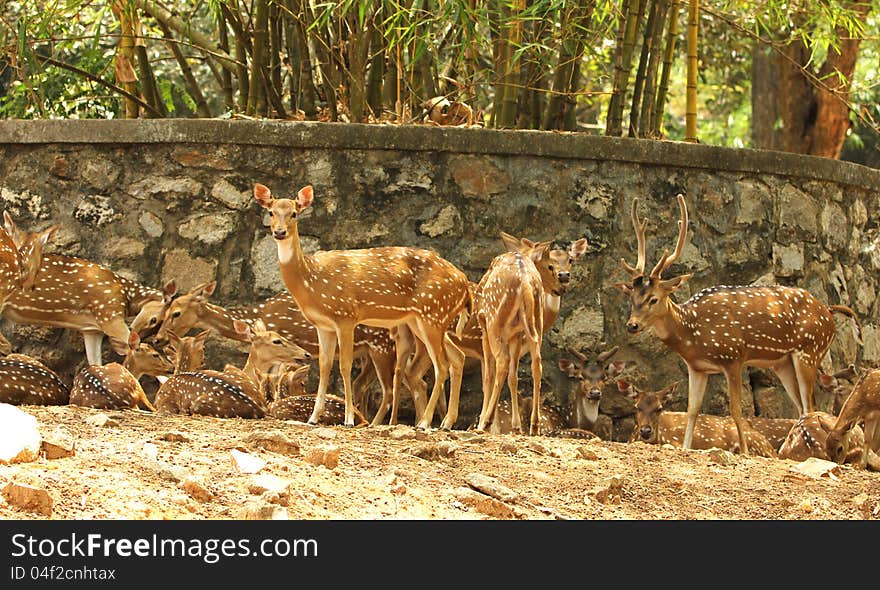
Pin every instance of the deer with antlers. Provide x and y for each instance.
(862, 406)
(69, 292)
(115, 386)
(228, 393)
(656, 425)
(593, 373)
(722, 329)
(409, 289)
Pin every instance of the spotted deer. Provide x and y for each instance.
(552, 421)
(232, 392)
(115, 386)
(775, 430)
(656, 425)
(839, 385)
(593, 372)
(554, 267)
(25, 380)
(280, 313)
(408, 289)
(293, 402)
(73, 293)
(809, 434)
(722, 329)
(862, 406)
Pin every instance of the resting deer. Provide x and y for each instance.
(68, 292)
(280, 313)
(115, 386)
(232, 392)
(808, 436)
(775, 430)
(293, 402)
(862, 405)
(25, 380)
(722, 329)
(593, 373)
(552, 421)
(554, 267)
(655, 425)
(408, 289)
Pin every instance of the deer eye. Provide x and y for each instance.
(271, 214)
(550, 267)
(653, 301)
(152, 321)
(176, 314)
(276, 342)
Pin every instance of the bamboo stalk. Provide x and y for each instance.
(125, 57)
(377, 71)
(256, 104)
(669, 54)
(225, 75)
(148, 80)
(242, 50)
(614, 125)
(692, 66)
(192, 86)
(650, 91)
(275, 48)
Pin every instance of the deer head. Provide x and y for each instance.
(269, 347)
(649, 295)
(182, 314)
(187, 353)
(593, 372)
(554, 266)
(153, 312)
(143, 359)
(283, 212)
(30, 247)
(839, 385)
(649, 406)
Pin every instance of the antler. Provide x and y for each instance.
(640, 227)
(666, 261)
(577, 354)
(607, 354)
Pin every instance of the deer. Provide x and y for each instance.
(410, 290)
(24, 380)
(809, 434)
(775, 430)
(554, 267)
(862, 405)
(232, 392)
(656, 425)
(280, 313)
(74, 293)
(115, 386)
(593, 373)
(509, 307)
(724, 328)
(292, 401)
(839, 384)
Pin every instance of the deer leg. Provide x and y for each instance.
(362, 382)
(433, 339)
(788, 377)
(487, 366)
(383, 364)
(456, 368)
(345, 335)
(501, 363)
(806, 376)
(416, 366)
(513, 384)
(696, 389)
(537, 374)
(734, 395)
(92, 342)
(326, 353)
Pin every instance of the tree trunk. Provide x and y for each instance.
(668, 55)
(623, 63)
(256, 104)
(377, 71)
(646, 122)
(192, 86)
(639, 84)
(690, 116)
(765, 100)
(358, 51)
(561, 107)
(225, 76)
(124, 63)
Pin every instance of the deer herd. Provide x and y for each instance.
(398, 311)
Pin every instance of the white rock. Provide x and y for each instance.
(245, 462)
(19, 436)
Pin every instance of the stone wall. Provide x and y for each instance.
(156, 200)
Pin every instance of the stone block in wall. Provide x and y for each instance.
(96, 211)
(447, 220)
(264, 262)
(209, 228)
(798, 215)
(122, 248)
(754, 203)
(835, 227)
(151, 224)
(23, 204)
(858, 213)
(871, 348)
(202, 157)
(100, 173)
(169, 186)
(478, 176)
(595, 200)
(187, 271)
(771, 401)
(228, 194)
(788, 261)
(582, 329)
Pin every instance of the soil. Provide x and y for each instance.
(181, 467)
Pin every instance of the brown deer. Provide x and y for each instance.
(593, 373)
(554, 267)
(839, 385)
(509, 307)
(292, 402)
(280, 313)
(775, 430)
(69, 292)
(655, 425)
(25, 380)
(862, 405)
(808, 436)
(552, 421)
(115, 386)
(228, 393)
(390, 287)
(722, 329)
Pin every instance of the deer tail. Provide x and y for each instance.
(857, 325)
(527, 313)
(465, 312)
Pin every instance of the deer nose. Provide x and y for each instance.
(307, 355)
(632, 327)
(645, 432)
(564, 277)
(280, 234)
(594, 395)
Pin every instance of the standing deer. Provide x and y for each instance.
(69, 292)
(862, 405)
(722, 329)
(25, 380)
(510, 309)
(593, 373)
(408, 289)
(115, 386)
(655, 425)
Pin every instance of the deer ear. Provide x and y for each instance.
(673, 284)
(667, 392)
(626, 388)
(202, 336)
(539, 251)
(263, 195)
(578, 248)
(205, 290)
(624, 288)
(304, 197)
(260, 326)
(47, 234)
(243, 328)
(134, 340)
(119, 347)
(826, 380)
(616, 368)
(510, 242)
(169, 290)
(568, 367)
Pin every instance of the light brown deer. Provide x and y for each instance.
(808, 436)
(280, 313)
(25, 380)
(775, 430)
(115, 386)
(839, 385)
(862, 405)
(69, 292)
(233, 391)
(390, 287)
(509, 307)
(655, 425)
(594, 373)
(293, 402)
(722, 329)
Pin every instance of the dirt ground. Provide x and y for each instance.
(144, 466)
